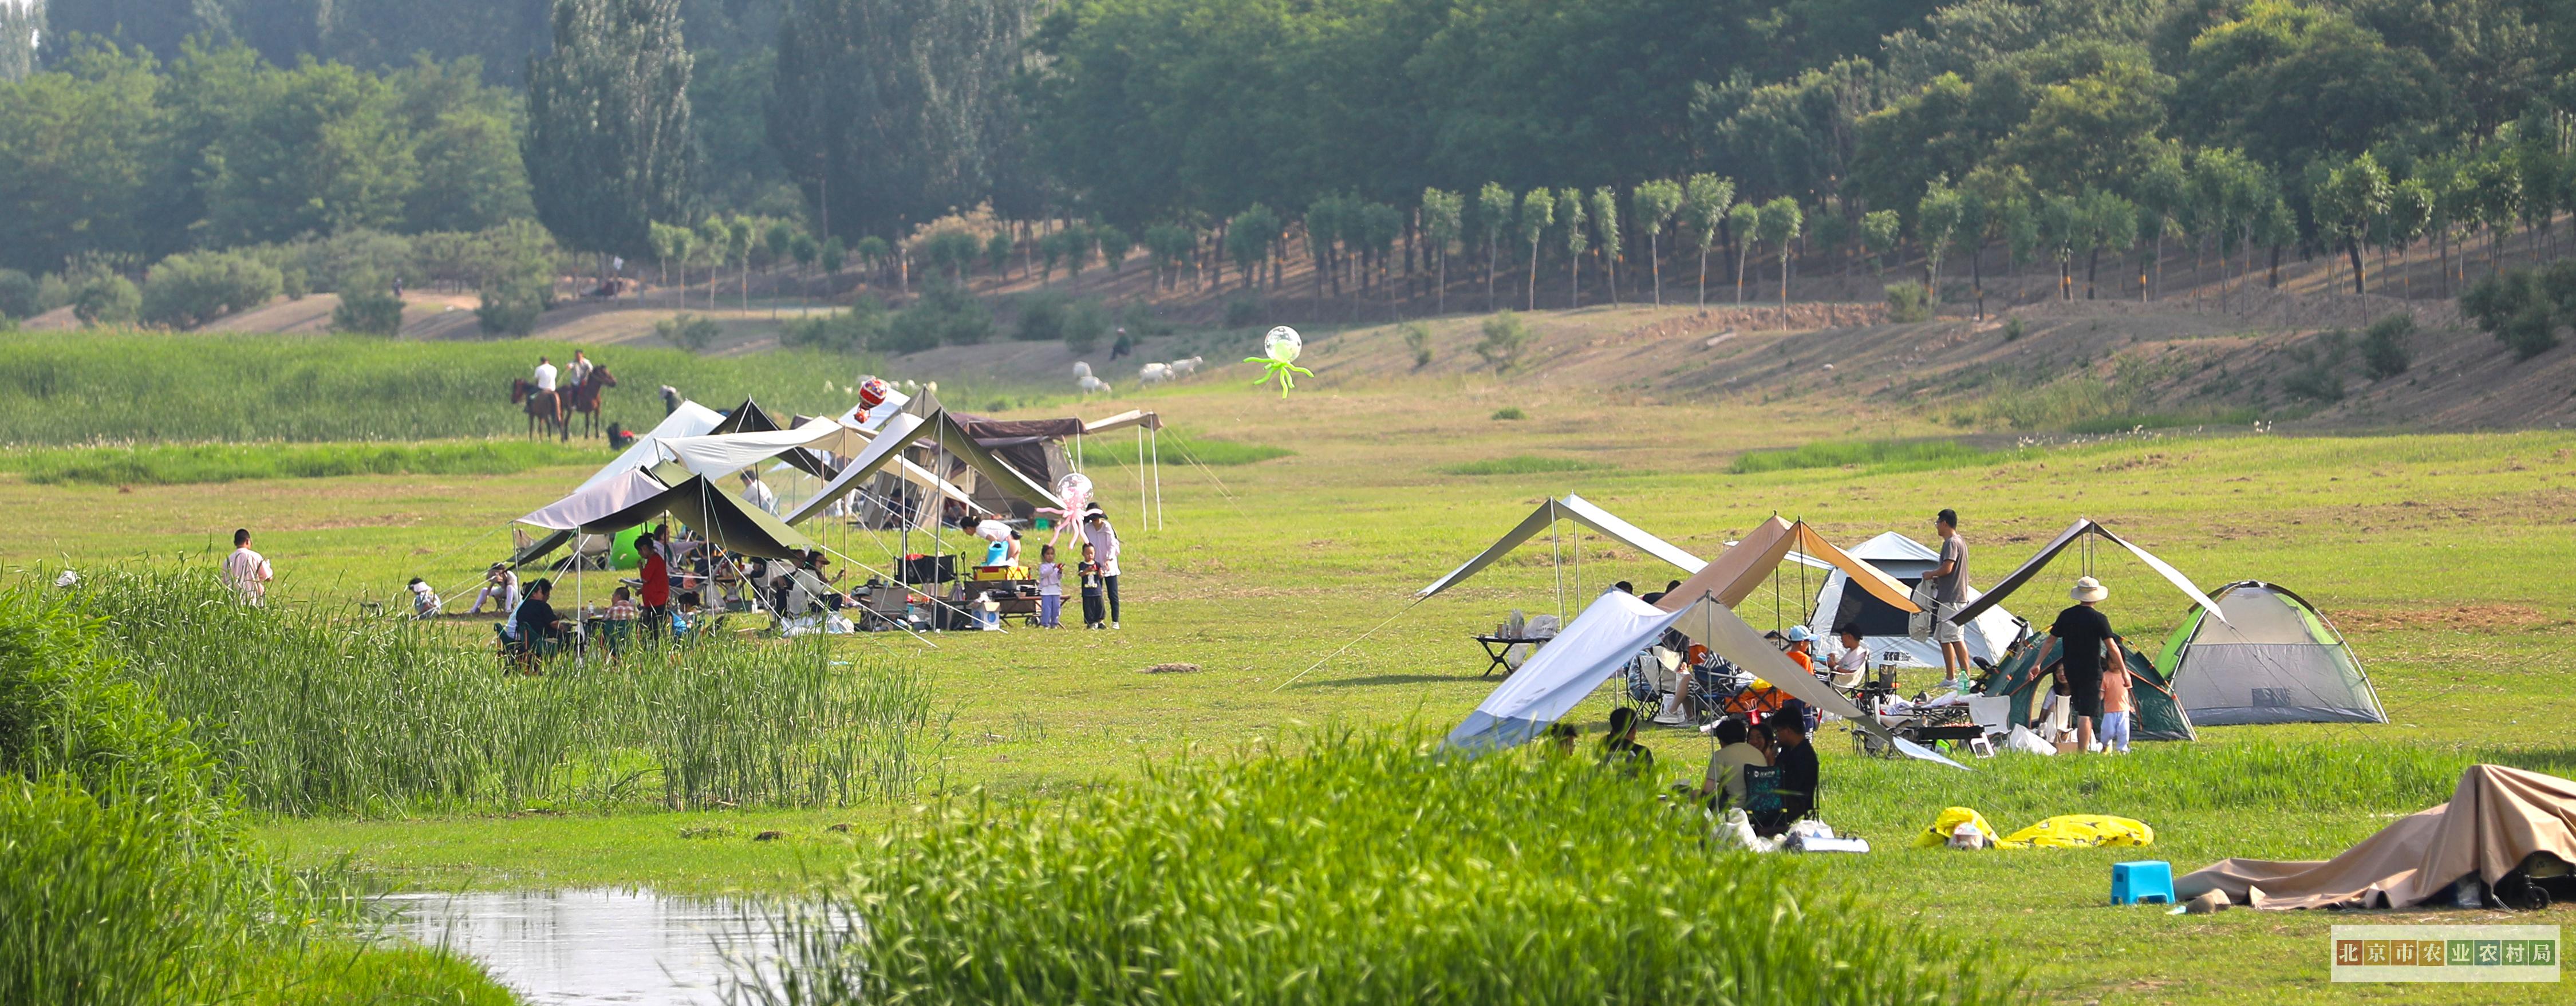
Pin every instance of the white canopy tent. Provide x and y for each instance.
(1885, 629)
(690, 419)
(1576, 509)
(593, 502)
(717, 455)
(1613, 631)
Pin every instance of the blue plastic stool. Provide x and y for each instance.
(2145, 882)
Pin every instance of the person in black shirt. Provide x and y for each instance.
(2083, 636)
(1796, 761)
(539, 631)
(1620, 746)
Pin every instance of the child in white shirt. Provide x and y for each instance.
(1050, 588)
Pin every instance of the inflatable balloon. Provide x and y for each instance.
(1072, 495)
(1281, 346)
(873, 392)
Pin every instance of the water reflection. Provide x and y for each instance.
(590, 946)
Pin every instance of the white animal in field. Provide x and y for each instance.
(1154, 373)
(1092, 385)
(1081, 370)
(1184, 368)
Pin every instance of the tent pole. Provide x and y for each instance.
(1144, 506)
(580, 635)
(1556, 561)
(1157, 438)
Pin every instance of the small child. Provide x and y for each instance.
(2116, 708)
(684, 612)
(1050, 588)
(424, 602)
(1094, 613)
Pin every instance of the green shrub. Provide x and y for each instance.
(1244, 312)
(2383, 346)
(861, 327)
(2315, 382)
(107, 300)
(1084, 323)
(1417, 340)
(1520, 464)
(1908, 302)
(1358, 869)
(52, 291)
(1041, 318)
(367, 309)
(1510, 413)
(2013, 330)
(1506, 338)
(191, 288)
(688, 331)
(294, 283)
(18, 293)
(946, 315)
(2524, 308)
(1142, 320)
(511, 307)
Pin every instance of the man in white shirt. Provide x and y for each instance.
(756, 493)
(577, 373)
(245, 571)
(545, 376)
(1104, 548)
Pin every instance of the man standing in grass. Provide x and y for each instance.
(2087, 651)
(245, 571)
(1949, 594)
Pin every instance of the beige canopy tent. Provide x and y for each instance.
(2498, 819)
(2082, 528)
(1747, 564)
(1574, 508)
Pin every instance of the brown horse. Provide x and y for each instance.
(542, 407)
(584, 398)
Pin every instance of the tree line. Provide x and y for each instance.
(1375, 139)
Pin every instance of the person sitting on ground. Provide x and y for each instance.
(2085, 636)
(1561, 737)
(1619, 747)
(1624, 587)
(1735, 750)
(500, 584)
(1851, 663)
(424, 601)
(1796, 785)
(539, 631)
(1799, 639)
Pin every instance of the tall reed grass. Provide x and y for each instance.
(124, 875)
(183, 464)
(307, 712)
(1520, 464)
(91, 387)
(1360, 869)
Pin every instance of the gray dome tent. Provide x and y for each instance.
(2273, 659)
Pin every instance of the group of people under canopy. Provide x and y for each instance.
(1686, 656)
(877, 466)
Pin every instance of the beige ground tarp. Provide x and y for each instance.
(2496, 819)
(1734, 575)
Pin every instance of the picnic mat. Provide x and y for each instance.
(2496, 819)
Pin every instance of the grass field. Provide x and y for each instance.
(2437, 555)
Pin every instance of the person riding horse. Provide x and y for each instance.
(542, 402)
(584, 395)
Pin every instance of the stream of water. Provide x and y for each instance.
(581, 947)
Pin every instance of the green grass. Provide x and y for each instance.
(93, 387)
(1175, 446)
(2125, 422)
(1520, 464)
(1873, 456)
(1353, 868)
(2410, 543)
(195, 464)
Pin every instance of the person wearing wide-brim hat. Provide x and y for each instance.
(2087, 649)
